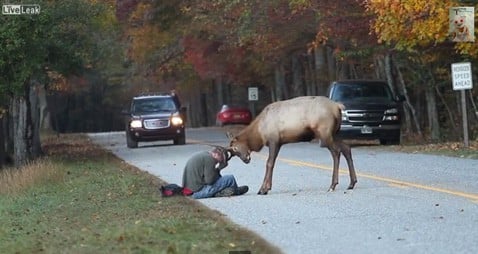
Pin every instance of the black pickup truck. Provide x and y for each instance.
(372, 111)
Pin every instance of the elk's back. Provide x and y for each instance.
(298, 117)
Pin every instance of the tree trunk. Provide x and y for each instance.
(203, 107)
(297, 84)
(280, 86)
(331, 64)
(45, 120)
(310, 77)
(433, 123)
(19, 111)
(451, 116)
(321, 69)
(3, 154)
(25, 127)
(219, 92)
(409, 110)
(473, 104)
(35, 111)
(379, 67)
(389, 71)
(343, 69)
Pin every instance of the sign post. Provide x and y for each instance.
(461, 76)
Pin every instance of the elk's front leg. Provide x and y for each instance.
(267, 182)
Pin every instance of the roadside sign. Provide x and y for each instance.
(253, 93)
(461, 76)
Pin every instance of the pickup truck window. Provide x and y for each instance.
(347, 92)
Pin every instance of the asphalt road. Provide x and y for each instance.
(402, 203)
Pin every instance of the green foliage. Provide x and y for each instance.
(21, 50)
(59, 38)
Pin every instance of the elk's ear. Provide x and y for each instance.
(229, 135)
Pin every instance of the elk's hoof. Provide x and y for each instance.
(262, 192)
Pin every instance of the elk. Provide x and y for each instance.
(300, 119)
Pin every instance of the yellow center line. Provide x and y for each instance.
(392, 182)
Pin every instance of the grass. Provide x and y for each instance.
(82, 199)
(452, 149)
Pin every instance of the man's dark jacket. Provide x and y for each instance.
(200, 170)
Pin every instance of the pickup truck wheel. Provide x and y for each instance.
(130, 142)
(393, 141)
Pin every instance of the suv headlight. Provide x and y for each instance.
(135, 124)
(176, 120)
(391, 114)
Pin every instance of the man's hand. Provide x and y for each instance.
(221, 165)
(221, 156)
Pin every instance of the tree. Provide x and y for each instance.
(254, 40)
(234, 43)
(419, 29)
(413, 24)
(60, 39)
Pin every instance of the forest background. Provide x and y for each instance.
(77, 64)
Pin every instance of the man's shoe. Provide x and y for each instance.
(241, 190)
(227, 192)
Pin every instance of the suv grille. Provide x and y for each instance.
(365, 116)
(152, 124)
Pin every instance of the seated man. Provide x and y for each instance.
(202, 175)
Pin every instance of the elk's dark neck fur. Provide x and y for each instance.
(251, 136)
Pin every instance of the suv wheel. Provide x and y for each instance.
(181, 140)
(130, 142)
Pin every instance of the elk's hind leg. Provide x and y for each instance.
(335, 152)
(347, 152)
(334, 148)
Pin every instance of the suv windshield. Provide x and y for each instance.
(153, 105)
(348, 92)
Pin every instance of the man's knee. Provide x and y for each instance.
(229, 180)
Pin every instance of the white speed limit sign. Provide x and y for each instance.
(253, 93)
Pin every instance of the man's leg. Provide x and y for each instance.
(232, 191)
(226, 181)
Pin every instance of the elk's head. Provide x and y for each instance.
(239, 149)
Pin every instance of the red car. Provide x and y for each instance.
(233, 115)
